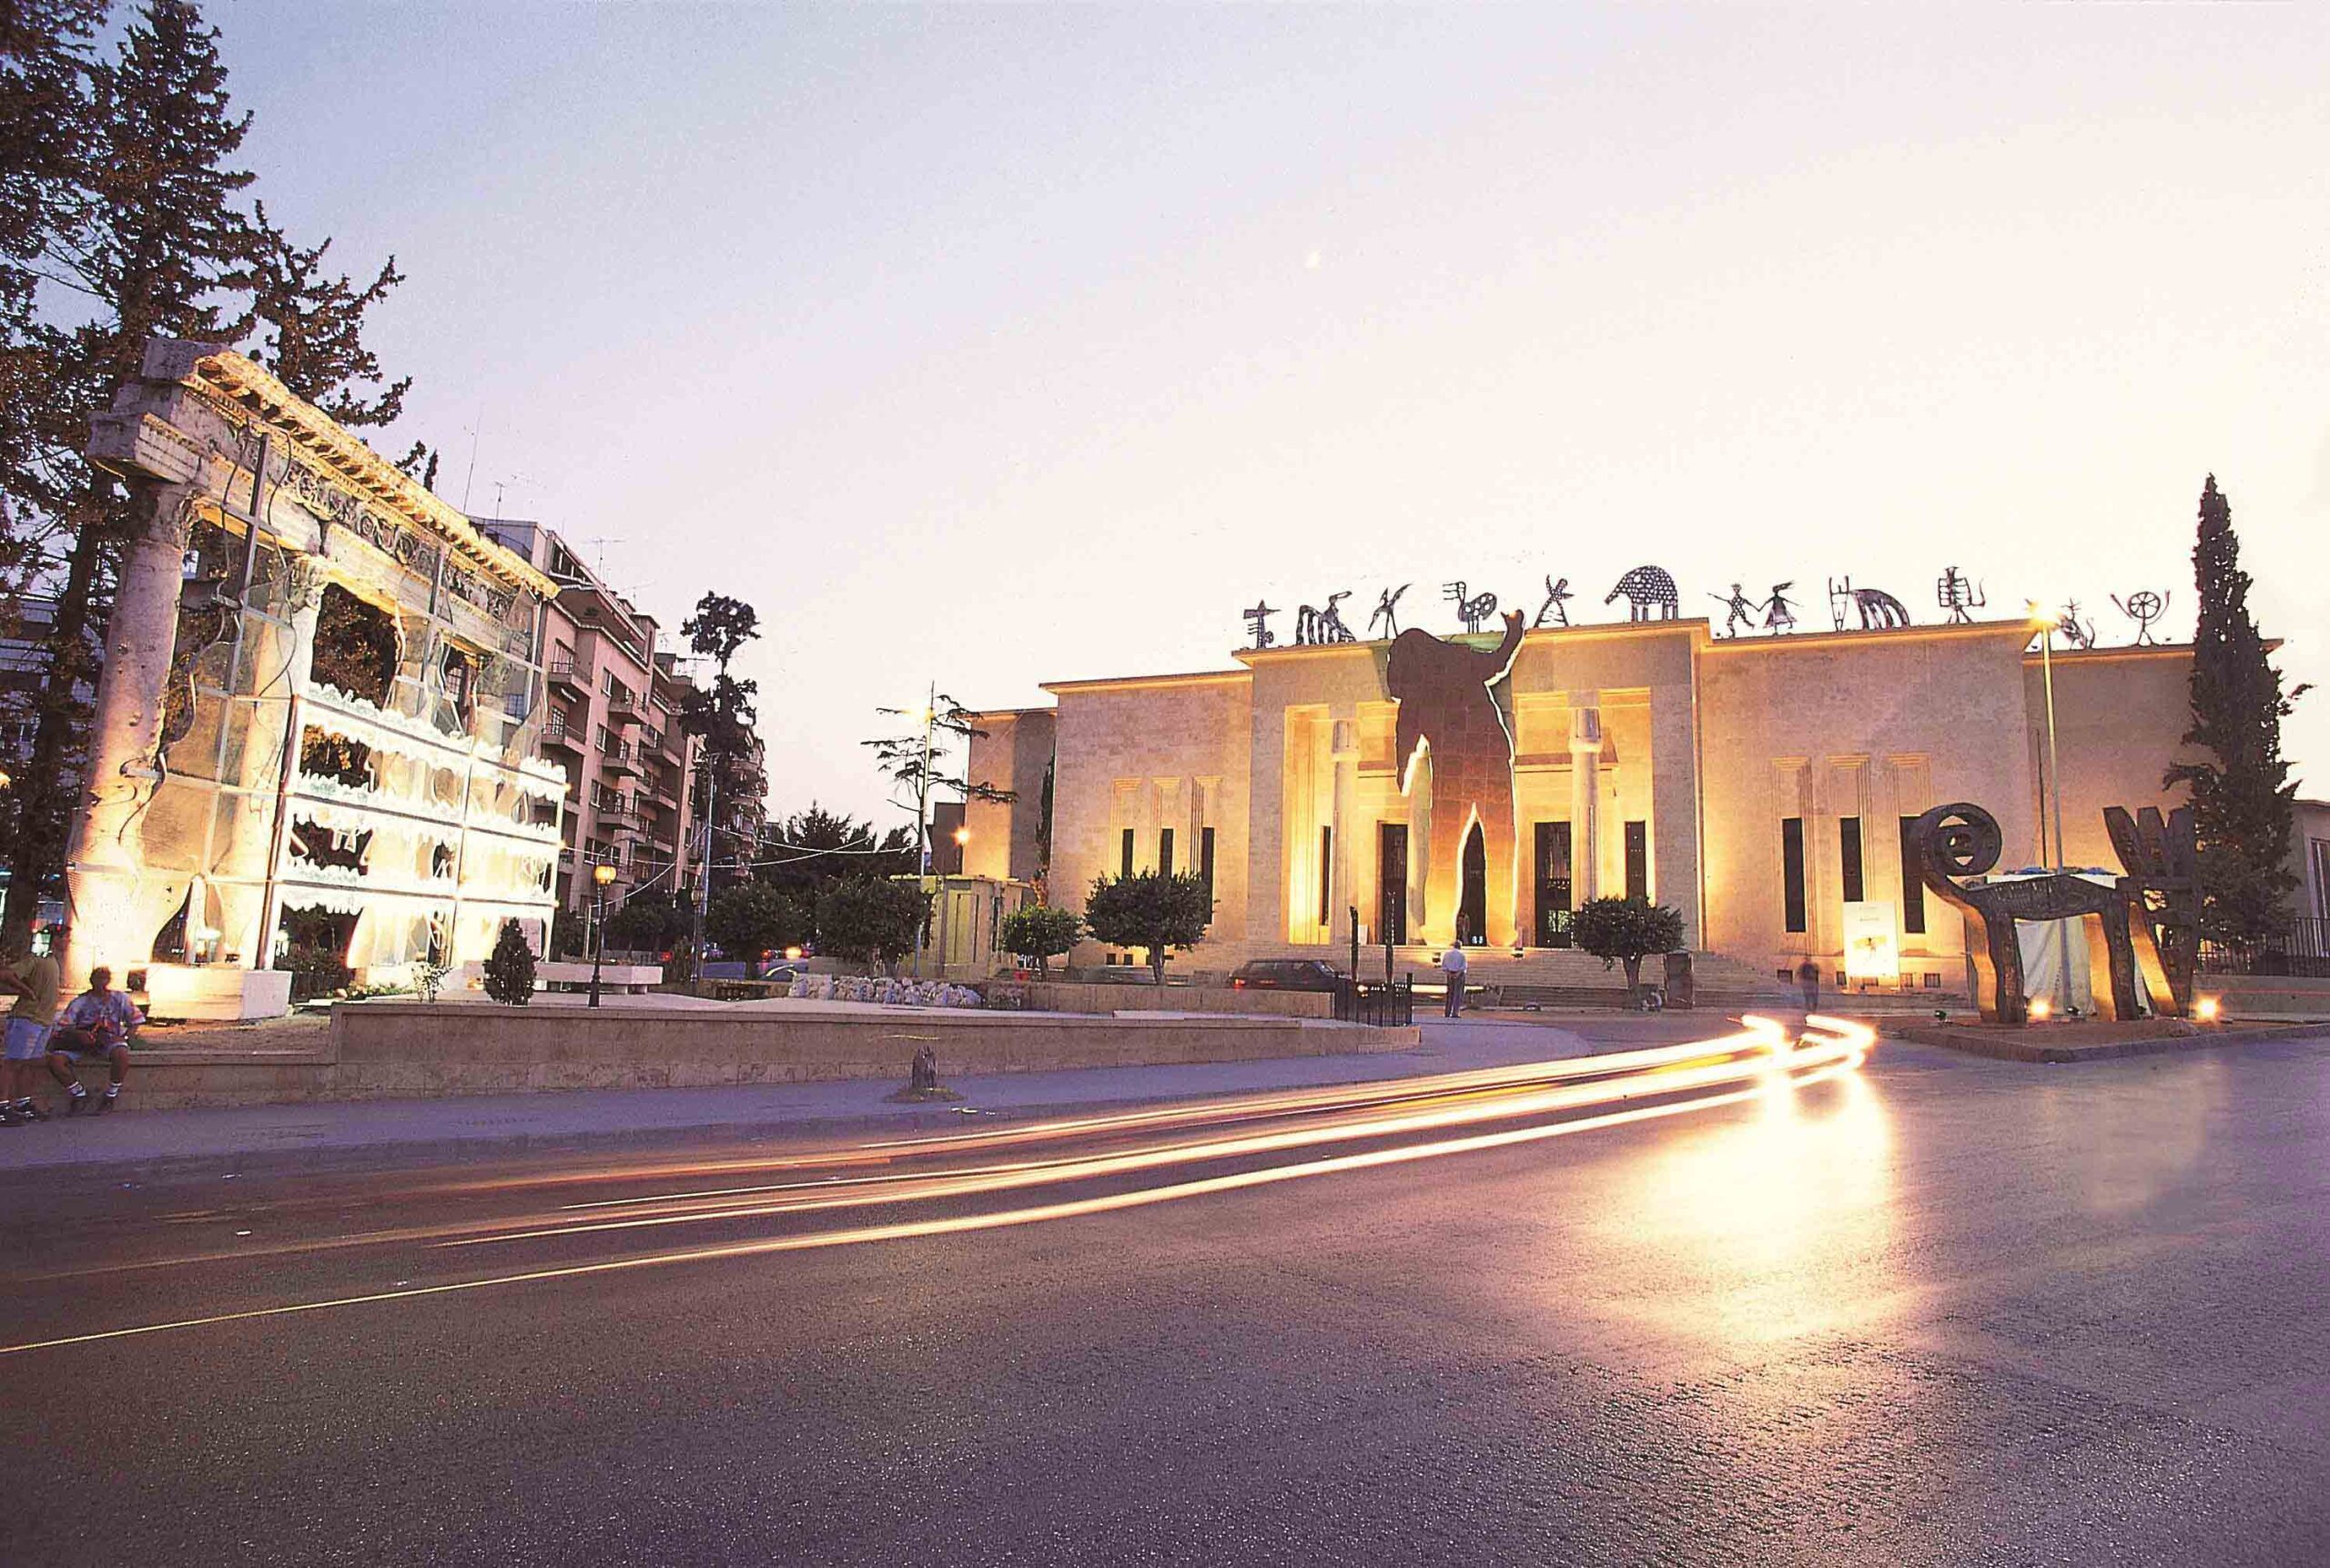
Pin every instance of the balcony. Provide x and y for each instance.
(558, 735)
(569, 675)
(616, 759)
(617, 811)
(661, 785)
(625, 706)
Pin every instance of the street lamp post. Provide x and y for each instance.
(2055, 800)
(601, 875)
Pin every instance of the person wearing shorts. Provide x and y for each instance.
(33, 977)
(97, 1023)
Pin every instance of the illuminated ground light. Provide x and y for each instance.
(2206, 1008)
(2042, 1009)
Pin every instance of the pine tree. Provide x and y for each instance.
(510, 971)
(157, 239)
(2242, 812)
(313, 326)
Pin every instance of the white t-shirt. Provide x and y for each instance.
(1453, 961)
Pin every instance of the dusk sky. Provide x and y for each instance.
(992, 345)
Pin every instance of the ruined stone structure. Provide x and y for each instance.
(318, 709)
(1767, 788)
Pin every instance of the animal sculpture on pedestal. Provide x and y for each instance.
(1387, 610)
(1323, 626)
(1470, 611)
(1878, 610)
(1450, 719)
(1650, 594)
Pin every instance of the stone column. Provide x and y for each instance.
(1343, 747)
(107, 888)
(1584, 804)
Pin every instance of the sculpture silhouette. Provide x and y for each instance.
(1879, 611)
(1647, 589)
(1447, 714)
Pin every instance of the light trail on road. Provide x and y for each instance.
(1757, 1060)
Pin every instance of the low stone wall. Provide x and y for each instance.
(2268, 996)
(1078, 996)
(390, 1050)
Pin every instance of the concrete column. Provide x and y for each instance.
(106, 895)
(1344, 748)
(1585, 804)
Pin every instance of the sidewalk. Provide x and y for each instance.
(356, 1135)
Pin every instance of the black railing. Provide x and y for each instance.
(1382, 1004)
(2302, 948)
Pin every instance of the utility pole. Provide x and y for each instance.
(922, 829)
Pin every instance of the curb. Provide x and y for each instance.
(1969, 1043)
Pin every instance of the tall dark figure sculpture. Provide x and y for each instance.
(2163, 888)
(1448, 716)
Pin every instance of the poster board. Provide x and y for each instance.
(1872, 943)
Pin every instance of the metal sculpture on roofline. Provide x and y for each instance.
(1387, 610)
(1741, 611)
(1258, 622)
(1958, 596)
(1649, 593)
(1470, 611)
(1879, 611)
(1557, 598)
(1779, 614)
(2143, 607)
(2072, 630)
(1316, 626)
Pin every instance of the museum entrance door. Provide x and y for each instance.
(1551, 923)
(1473, 904)
(1392, 882)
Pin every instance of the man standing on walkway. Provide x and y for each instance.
(1452, 972)
(33, 976)
(96, 1023)
(1807, 978)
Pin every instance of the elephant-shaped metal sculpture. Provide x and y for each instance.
(1650, 594)
(1962, 840)
(1447, 713)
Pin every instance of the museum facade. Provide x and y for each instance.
(1482, 787)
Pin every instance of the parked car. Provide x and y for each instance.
(1287, 974)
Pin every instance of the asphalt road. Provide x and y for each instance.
(1938, 1310)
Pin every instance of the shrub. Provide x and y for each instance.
(510, 973)
(752, 918)
(1151, 909)
(315, 971)
(1626, 931)
(1039, 930)
(871, 920)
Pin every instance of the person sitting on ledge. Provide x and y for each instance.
(98, 1022)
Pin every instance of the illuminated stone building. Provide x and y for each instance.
(1759, 786)
(317, 719)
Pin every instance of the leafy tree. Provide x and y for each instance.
(510, 972)
(153, 238)
(314, 326)
(914, 760)
(723, 712)
(752, 918)
(647, 922)
(2242, 812)
(1626, 931)
(419, 461)
(1153, 909)
(816, 847)
(720, 628)
(1040, 932)
(871, 920)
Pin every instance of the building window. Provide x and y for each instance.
(1392, 882)
(1126, 869)
(1637, 860)
(1165, 850)
(1848, 856)
(1205, 861)
(1792, 871)
(1913, 879)
(1326, 875)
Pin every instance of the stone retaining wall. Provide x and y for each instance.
(1082, 997)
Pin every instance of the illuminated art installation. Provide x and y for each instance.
(1258, 622)
(1387, 610)
(1956, 595)
(1557, 598)
(1448, 717)
(1878, 609)
(2143, 607)
(1649, 593)
(1313, 626)
(1962, 840)
(1470, 611)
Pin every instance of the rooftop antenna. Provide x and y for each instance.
(472, 476)
(599, 563)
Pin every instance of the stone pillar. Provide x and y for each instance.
(107, 888)
(1344, 748)
(1586, 805)
(254, 909)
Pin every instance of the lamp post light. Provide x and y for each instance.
(601, 875)
(2054, 801)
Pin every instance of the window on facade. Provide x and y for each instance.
(1126, 868)
(1165, 850)
(1913, 881)
(1848, 856)
(1205, 860)
(1326, 875)
(1637, 860)
(1792, 872)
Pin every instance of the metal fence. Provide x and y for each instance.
(2302, 948)
(1384, 1003)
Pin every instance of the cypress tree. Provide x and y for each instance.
(314, 326)
(2242, 812)
(158, 237)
